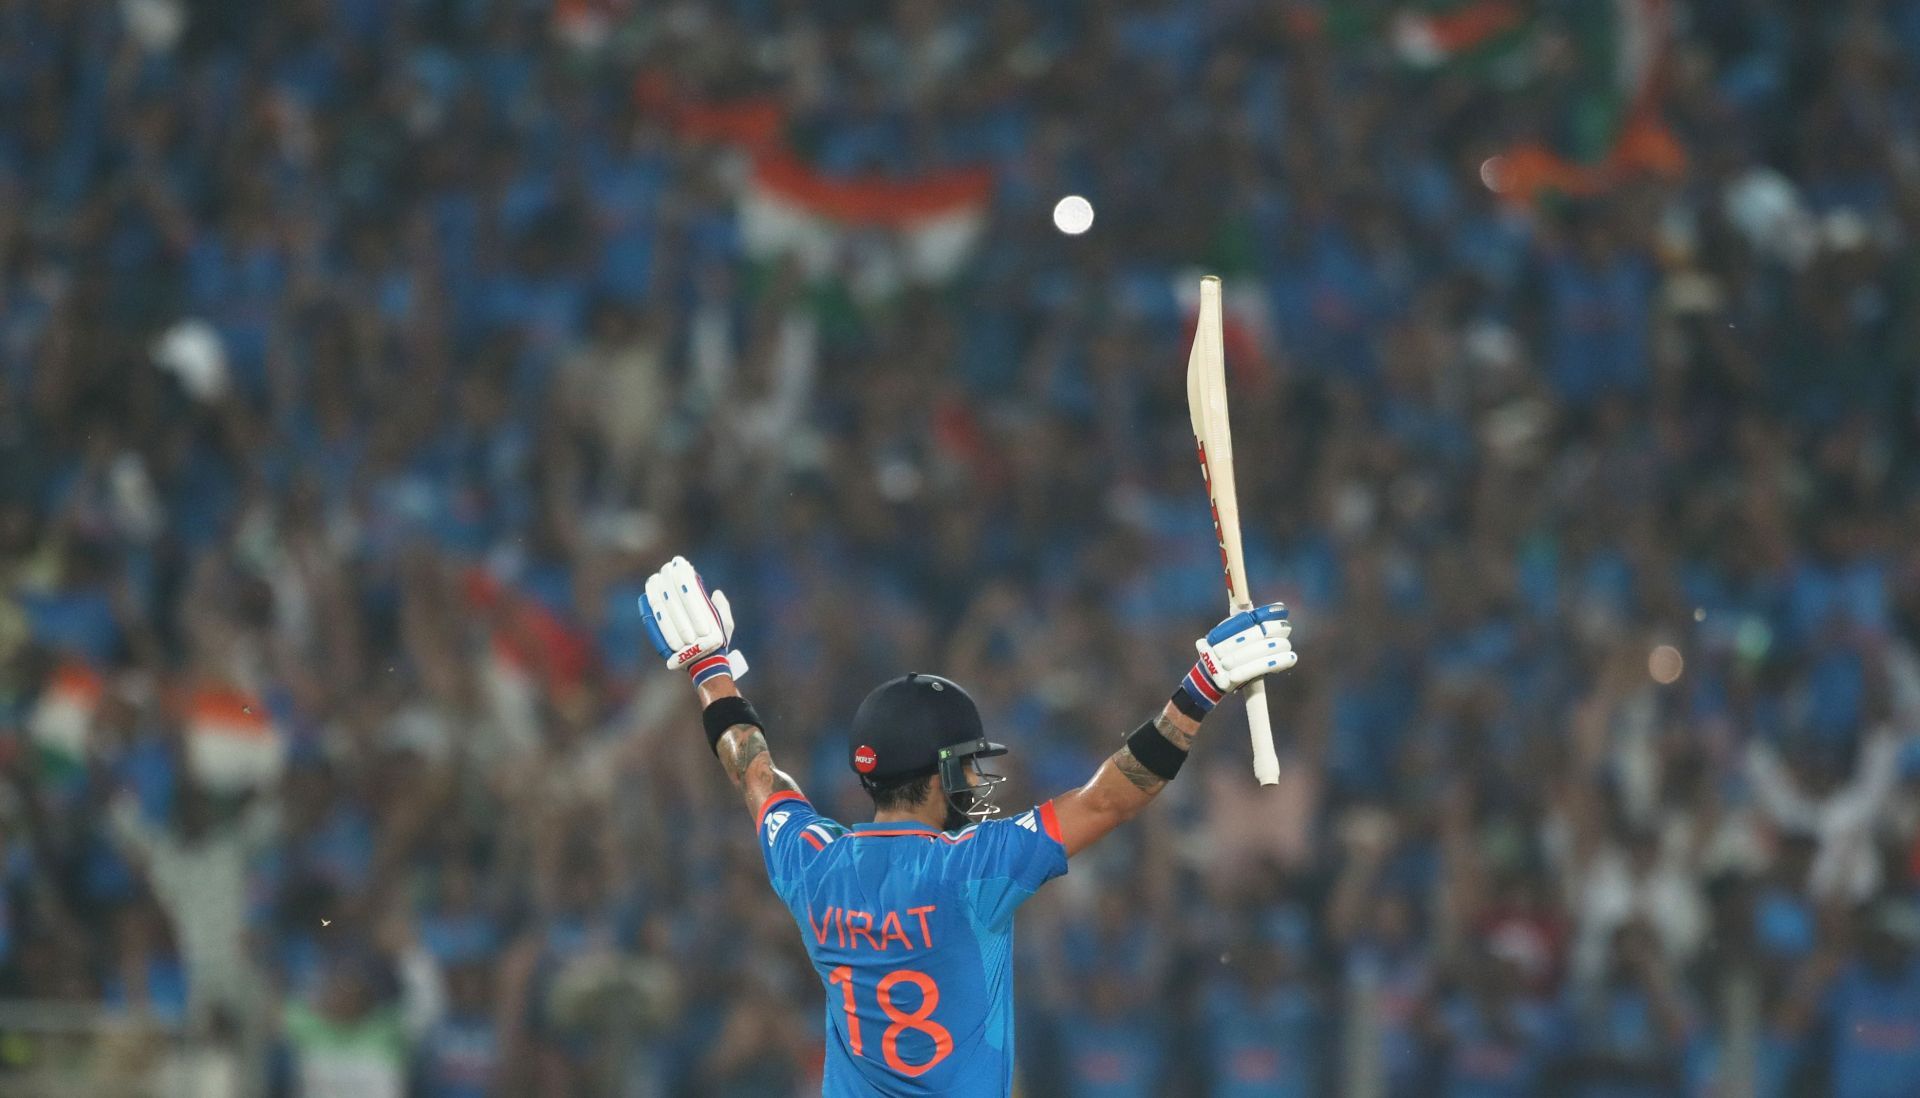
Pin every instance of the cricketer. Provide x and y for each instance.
(908, 919)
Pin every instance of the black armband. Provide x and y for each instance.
(1184, 701)
(723, 714)
(1157, 753)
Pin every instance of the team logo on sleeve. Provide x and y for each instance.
(774, 823)
(1026, 819)
(864, 759)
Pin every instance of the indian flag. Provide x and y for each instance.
(926, 225)
(532, 653)
(1608, 130)
(917, 228)
(1619, 45)
(61, 723)
(1611, 130)
(1428, 36)
(232, 744)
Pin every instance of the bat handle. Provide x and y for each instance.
(1266, 764)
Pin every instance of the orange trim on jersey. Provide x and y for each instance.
(813, 840)
(784, 795)
(1051, 822)
(961, 838)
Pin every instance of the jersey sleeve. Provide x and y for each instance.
(1009, 859)
(790, 833)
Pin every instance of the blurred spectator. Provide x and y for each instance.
(1488, 1036)
(1265, 1025)
(1111, 1051)
(348, 1040)
(197, 868)
(1859, 1019)
(1633, 1033)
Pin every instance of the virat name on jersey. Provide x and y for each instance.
(911, 931)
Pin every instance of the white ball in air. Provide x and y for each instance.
(1073, 215)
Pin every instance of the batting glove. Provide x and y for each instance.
(690, 628)
(1249, 645)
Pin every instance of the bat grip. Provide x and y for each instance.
(1266, 763)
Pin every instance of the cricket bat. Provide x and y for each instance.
(1207, 406)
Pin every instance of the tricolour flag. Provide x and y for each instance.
(61, 723)
(930, 222)
(232, 744)
(1431, 35)
(1609, 129)
(918, 227)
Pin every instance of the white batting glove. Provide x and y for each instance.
(1247, 646)
(691, 629)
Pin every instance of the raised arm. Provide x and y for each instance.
(693, 632)
(1247, 646)
(743, 751)
(1120, 788)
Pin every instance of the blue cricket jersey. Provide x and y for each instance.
(1875, 1022)
(911, 931)
(1265, 1043)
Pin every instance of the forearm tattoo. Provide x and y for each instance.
(1146, 781)
(743, 754)
(1176, 735)
(742, 744)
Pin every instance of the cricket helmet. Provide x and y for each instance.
(921, 724)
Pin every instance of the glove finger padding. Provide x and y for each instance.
(651, 621)
(682, 621)
(1250, 656)
(719, 600)
(736, 659)
(687, 603)
(710, 628)
(1250, 645)
(668, 636)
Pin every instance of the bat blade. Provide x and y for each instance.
(1213, 436)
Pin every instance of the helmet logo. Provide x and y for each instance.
(864, 760)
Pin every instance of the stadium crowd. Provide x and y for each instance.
(358, 358)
